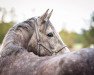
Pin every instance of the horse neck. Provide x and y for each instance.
(17, 38)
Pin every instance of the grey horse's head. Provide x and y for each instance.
(45, 40)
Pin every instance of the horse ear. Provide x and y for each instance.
(49, 15)
(44, 15)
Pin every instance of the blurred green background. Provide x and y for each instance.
(72, 39)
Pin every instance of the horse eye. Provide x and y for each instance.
(50, 35)
(43, 22)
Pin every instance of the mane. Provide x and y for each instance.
(17, 38)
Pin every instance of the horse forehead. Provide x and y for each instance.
(49, 29)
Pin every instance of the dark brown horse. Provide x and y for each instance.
(27, 46)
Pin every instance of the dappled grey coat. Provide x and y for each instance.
(16, 60)
(75, 63)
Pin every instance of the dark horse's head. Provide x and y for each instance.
(45, 40)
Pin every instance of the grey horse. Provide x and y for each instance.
(30, 48)
(36, 35)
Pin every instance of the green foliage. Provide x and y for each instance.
(4, 27)
(70, 38)
(89, 34)
(88, 37)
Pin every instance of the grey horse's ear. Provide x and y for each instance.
(44, 15)
(49, 15)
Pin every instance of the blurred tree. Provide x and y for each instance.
(70, 38)
(4, 27)
(89, 34)
(4, 12)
